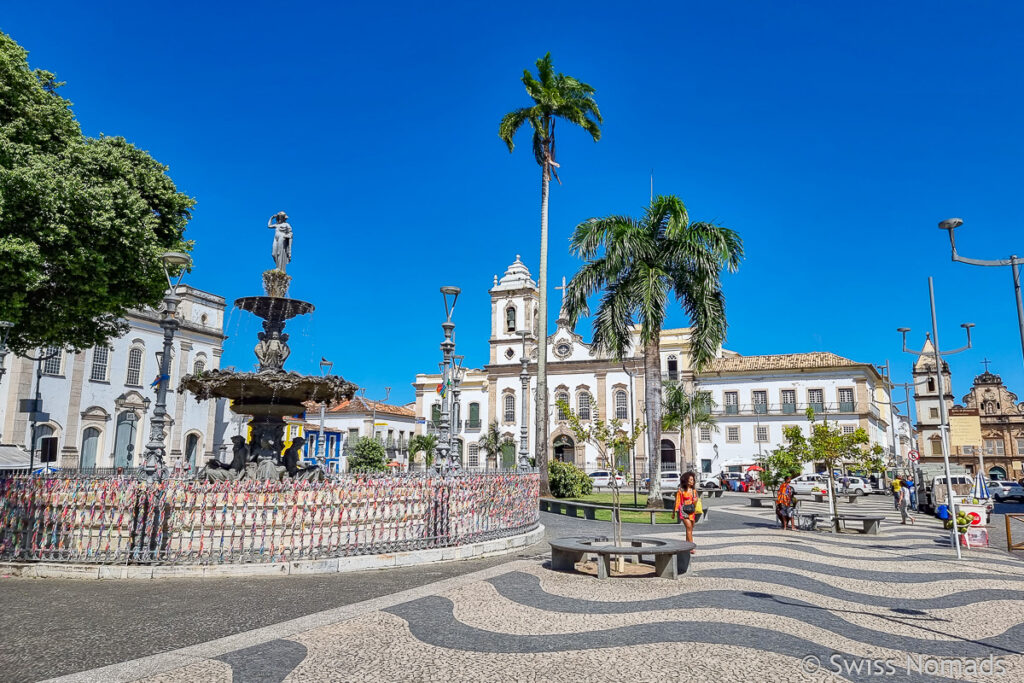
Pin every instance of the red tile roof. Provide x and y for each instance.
(362, 405)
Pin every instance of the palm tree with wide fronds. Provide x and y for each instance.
(492, 442)
(637, 264)
(555, 96)
(687, 411)
(426, 443)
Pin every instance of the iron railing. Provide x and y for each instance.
(844, 407)
(177, 522)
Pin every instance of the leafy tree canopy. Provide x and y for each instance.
(83, 221)
(368, 455)
(426, 443)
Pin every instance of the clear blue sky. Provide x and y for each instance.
(832, 136)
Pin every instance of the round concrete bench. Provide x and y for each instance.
(761, 501)
(671, 557)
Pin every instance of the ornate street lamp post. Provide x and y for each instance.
(444, 446)
(153, 457)
(524, 379)
(456, 461)
(943, 414)
(321, 445)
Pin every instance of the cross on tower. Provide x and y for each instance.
(563, 290)
(985, 362)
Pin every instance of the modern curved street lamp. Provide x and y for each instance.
(950, 225)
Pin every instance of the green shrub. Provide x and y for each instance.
(568, 481)
(368, 455)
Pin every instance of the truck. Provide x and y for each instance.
(930, 480)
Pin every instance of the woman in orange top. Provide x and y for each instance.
(686, 503)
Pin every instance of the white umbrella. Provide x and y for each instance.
(980, 490)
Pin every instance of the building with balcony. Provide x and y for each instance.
(99, 400)
(347, 422)
(758, 397)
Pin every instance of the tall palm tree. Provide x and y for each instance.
(638, 264)
(687, 411)
(492, 442)
(555, 96)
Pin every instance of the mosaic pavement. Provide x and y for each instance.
(757, 604)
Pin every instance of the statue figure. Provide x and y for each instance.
(291, 455)
(282, 251)
(272, 350)
(241, 453)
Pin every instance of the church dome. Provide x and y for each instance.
(517, 276)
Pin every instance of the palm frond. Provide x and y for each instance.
(612, 325)
(512, 122)
(590, 278)
(650, 294)
(593, 233)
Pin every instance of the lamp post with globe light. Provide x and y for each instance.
(153, 457)
(450, 295)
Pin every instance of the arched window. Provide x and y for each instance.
(100, 363)
(621, 405)
(583, 403)
(435, 414)
(562, 397)
(510, 319)
(191, 449)
(931, 384)
(199, 366)
(90, 445)
(510, 408)
(124, 436)
(990, 408)
(42, 432)
(135, 355)
(673, 367)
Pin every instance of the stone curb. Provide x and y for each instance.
(53, 570)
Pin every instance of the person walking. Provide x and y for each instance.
(896, 486)
(903, 504)
(911, 492)
(785, 504)
(687, 498)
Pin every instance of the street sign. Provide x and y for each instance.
(30, 405)
(913, 456)
(48, 449)
(39, 417)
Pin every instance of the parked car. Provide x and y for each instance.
(1006, 490)
(604, 478)
(805, 483)
(856, 486)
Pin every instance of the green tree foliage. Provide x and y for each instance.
(829, 445)
(555, 97)
(83, 221)
(778, 465)
(637, 264)
(426, 443)
(368, 456)
(492, 442)
(687, 411)
(608, 437)
(568, 481)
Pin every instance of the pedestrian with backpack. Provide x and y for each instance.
(785, 504)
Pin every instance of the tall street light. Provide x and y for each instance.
(444, 447)
(5, 329)
(524, 381)
(154, 455)
(943, 413)
(950, 225)
(456, 407)
(321, 455)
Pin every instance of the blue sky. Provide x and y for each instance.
(831, 136)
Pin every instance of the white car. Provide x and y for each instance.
(669, 480)
(604, 478)
(856, 486)
(805, 483)
(1005, 490)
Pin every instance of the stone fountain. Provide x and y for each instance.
(271, 393)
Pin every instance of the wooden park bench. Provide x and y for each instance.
(868, 523)
(671, 558)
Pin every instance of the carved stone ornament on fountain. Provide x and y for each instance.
(272, 393)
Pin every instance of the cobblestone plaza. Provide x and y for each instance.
(757, 603)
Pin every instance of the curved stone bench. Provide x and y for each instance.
(761, 501)
(869, 523)
(671, 557)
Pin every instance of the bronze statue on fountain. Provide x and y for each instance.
(271, 393)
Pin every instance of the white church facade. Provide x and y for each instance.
(756, 395)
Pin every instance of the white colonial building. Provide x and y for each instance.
(757, 395)
(90, 394)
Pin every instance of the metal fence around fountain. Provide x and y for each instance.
(122, 521)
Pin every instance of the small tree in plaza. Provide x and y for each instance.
(778, 465)
(426, 443)
(493, 441)
(829, 445)
(608, 437)
(368, 456)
